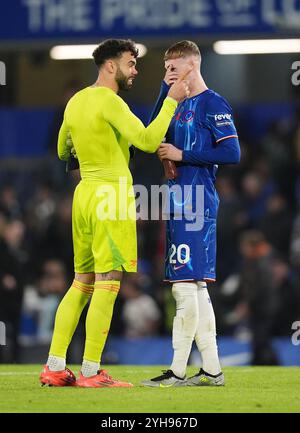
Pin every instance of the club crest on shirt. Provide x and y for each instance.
(188, 116)
(185, 116)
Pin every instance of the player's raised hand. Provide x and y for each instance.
(180, 89)
(171, 76)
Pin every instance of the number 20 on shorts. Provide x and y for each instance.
(181, 254)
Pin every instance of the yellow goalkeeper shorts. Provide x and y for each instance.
(104, 227)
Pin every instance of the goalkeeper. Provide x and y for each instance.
(101, 126)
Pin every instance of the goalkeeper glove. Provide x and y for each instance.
(72, 163)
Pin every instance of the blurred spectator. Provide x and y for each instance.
(259, 297)
(276, 223)
(287, 283)
(57, 239)
(277, 150)
(231, 219)
(41, 302)
(141, 314)
(41, 209)
(9, 203)
(295, 243)
(3, 221)
(13, 260)
(256, 191)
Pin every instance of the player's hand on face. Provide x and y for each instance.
(180, 89)
(171, 75)
(168, 151)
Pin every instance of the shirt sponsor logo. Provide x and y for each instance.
(223, 119)
(223, 123)
(223, 116)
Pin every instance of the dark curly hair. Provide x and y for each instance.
(113, 49)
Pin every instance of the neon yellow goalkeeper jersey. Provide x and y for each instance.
(102, 128)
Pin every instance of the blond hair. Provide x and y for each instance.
(182, 49)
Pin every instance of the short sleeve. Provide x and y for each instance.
(219, 118)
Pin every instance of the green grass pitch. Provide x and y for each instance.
(247, 389)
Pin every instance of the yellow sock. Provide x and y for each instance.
(99, 317)
(67, 316)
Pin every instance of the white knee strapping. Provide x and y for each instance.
(206, 331)
(185, 295)
(184, 324)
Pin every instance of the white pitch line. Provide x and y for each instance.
(243, 369)
(32, 373)
(18, 373)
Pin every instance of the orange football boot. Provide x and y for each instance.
(57, 378)
(101, 380)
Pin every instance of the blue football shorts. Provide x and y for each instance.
(190, 255)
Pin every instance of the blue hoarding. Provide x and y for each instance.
(25, 20)
(158, 351)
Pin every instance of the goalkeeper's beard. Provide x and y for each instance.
(122, 80)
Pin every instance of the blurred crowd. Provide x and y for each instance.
(258, 289)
